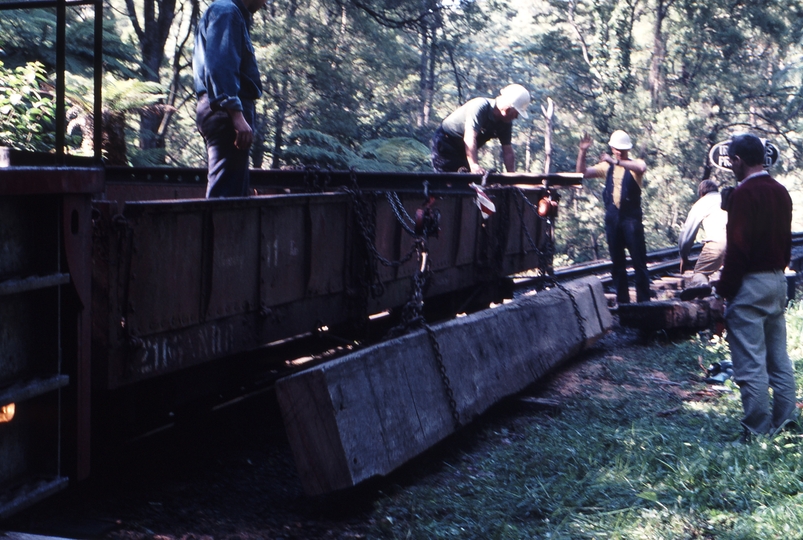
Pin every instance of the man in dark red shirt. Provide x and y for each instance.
(759, 240)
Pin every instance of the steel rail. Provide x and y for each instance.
(658, 262)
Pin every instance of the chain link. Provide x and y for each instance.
(412, 317)
(520, 208)
(544, 256)
(365, 213)
(413, 311)
(401, 214)
(447, 384)
(313, 180)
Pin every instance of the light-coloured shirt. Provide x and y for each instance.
(708, 212)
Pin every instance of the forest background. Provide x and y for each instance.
(364, 84)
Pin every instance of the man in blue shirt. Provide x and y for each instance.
(227, 83)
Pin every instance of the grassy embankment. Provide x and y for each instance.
(640, 447)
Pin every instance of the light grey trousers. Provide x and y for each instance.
(757, 339)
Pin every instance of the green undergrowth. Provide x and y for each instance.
(639, 447)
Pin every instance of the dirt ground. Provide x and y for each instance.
(232, 476)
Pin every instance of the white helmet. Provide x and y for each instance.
(620, 140)
(516, 96)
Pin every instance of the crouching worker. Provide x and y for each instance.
(456, 142)
(708, 213)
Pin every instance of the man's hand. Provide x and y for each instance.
(586, 141)
(607, 158)
(244, 134)
(470, 142)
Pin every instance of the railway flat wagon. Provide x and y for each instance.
(184, 281)
(118, 287)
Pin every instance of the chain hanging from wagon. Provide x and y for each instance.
(546, 210)
(425, 225)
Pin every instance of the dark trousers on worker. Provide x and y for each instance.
(627, 232)
(448, 153)
(228, 165)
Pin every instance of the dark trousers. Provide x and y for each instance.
(228, 165)
(448, 153)
(627, 233)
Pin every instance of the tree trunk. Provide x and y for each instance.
(547, 112)
(260, 135)
(114, 143)
(278, 123)
(176, 86)
(656, 78)
(456, 72)
(429, 89)
(423, 71)
(428, 28)
(153, 31)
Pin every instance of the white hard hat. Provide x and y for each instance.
(620, 140)
(516, 96)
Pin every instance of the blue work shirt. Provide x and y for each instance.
(223, 63)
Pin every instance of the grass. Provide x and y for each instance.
(640, 448)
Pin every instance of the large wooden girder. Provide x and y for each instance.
(366, 414)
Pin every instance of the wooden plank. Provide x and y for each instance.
(666, 314)
(368, 413)
(668, 283)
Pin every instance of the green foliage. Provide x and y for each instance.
(678, 75)
(119, 95)
(641, 448)
(30, 35)
(405, 154)
(310, 147)
(313, 148)
(26, 109)
(121, 98)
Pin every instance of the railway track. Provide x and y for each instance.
(660, 262)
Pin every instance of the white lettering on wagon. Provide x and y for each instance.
(167, 353)
(232, 261)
